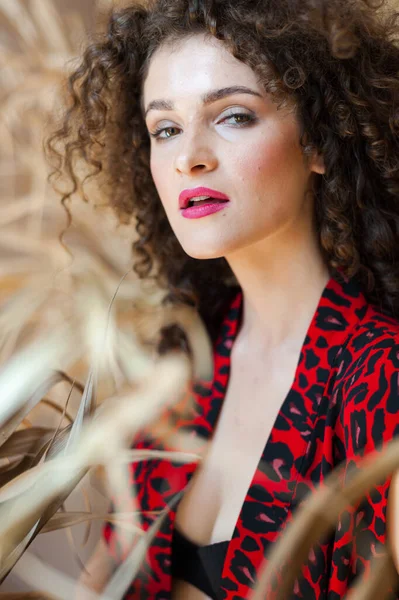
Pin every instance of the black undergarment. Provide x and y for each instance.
(199, 565)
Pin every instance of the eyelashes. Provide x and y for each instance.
(251, 120)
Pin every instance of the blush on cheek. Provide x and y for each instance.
(265, 156)
(260, 168)
(272, 161)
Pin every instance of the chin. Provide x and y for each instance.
(201, 254)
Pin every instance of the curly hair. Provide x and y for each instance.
(337, 59)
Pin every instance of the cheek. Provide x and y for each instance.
(268, 161)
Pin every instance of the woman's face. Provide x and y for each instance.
(254, 158)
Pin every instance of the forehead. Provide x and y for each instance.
(194, 65)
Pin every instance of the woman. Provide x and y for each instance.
(256, 145)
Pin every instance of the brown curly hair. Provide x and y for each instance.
(337, 59)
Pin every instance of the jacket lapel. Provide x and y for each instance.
(267, 507)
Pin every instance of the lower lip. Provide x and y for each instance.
(196, 212)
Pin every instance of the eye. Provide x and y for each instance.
(238, 115)
(157, 132)
(248, 120)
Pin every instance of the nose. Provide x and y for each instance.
(195, 153)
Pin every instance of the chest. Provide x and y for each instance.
(250, 409)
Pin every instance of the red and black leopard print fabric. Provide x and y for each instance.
(343, 403)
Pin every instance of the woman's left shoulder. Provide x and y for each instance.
(365, 391)
(375, 338)
(368, 380)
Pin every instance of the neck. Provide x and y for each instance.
(282, 280)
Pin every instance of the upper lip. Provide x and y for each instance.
(186, 195)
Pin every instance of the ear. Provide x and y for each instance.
(317, 164)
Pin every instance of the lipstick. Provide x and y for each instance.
(200, 202)
(196, 212)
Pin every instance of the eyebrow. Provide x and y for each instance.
(208, 98)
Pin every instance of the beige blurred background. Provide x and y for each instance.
(38, 41)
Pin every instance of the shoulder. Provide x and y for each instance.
(375, 339)
(367, 382)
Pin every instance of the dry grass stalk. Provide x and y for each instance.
(43, 578)
(128, 570)
(318, 515)
(116, 421)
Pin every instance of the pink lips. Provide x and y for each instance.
(196, 212)
(186, 195)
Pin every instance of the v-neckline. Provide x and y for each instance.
(322, 316)
(326, 317)
(223, 365)
(227, 337)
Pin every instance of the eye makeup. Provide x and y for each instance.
(233, 115)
